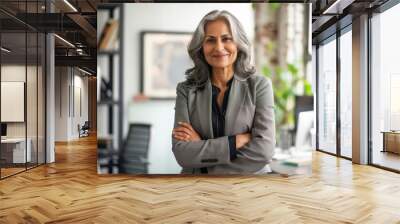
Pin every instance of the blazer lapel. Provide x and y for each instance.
(203, 105)
(237, 95)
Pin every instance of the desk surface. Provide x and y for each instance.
(390, 132)
(13, 140)
(292, 162)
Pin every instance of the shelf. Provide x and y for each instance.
(105, 137)
(107, 6)
(108, 52)
(107, 102)
(113, 122)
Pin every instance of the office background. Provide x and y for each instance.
(281, 50)
(46, 81)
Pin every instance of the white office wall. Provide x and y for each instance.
(160, 114)
(12, 73)
(81, 103)
(12, 101)
(61, 103)
(80, 83)
(67, 115)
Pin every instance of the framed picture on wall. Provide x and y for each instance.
(164, 62)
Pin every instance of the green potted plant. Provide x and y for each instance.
(287, 83)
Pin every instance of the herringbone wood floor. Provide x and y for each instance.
(70, 191)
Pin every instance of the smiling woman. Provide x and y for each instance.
(224, 113)
(219, 49)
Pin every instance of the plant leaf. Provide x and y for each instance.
(266, 71)
(292, 69)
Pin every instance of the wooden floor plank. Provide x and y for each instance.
(70, 191)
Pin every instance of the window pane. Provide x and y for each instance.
(327, 96)
(346, 94)
(386, 88)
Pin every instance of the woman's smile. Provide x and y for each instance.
(220, 56)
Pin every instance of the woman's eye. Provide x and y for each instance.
(210, 40)
(226, 39)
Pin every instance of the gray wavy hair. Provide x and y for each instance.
(198, 75)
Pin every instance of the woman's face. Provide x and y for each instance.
(218, 47)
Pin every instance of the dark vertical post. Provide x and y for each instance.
(26, 85)
(45, 90)
(338, 98)
(317, 96)
(37, 87)
(111, 85)
(121, 77)
(369, 95)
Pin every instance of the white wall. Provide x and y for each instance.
(66, 120)
(80, 84)
(61, 103)
(160, 115)
(163, 17)
(17, 73)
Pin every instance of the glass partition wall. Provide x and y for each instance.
(346, 95)
(334, 101)
(22, 94)
(385, 89)
(13, 110)
(327, 95)
(335, 74)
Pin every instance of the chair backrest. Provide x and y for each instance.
(133, 156)
(86, 125)
(302, 103)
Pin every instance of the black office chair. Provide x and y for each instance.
(107, 157)
(134, 154)
(84, 130)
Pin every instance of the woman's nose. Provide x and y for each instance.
(219, 45)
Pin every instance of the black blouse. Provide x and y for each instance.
(218, 120)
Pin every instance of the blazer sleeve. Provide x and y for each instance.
(196, 154)
(262, 143)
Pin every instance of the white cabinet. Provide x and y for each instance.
(18, 149)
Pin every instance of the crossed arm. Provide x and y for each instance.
(193, 152)
(185, 132)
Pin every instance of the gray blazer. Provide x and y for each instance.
(250, 109)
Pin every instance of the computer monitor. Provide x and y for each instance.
(3, 129)
(303, 134)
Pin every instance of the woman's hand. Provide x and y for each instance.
(185, 132)
(242, 139)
